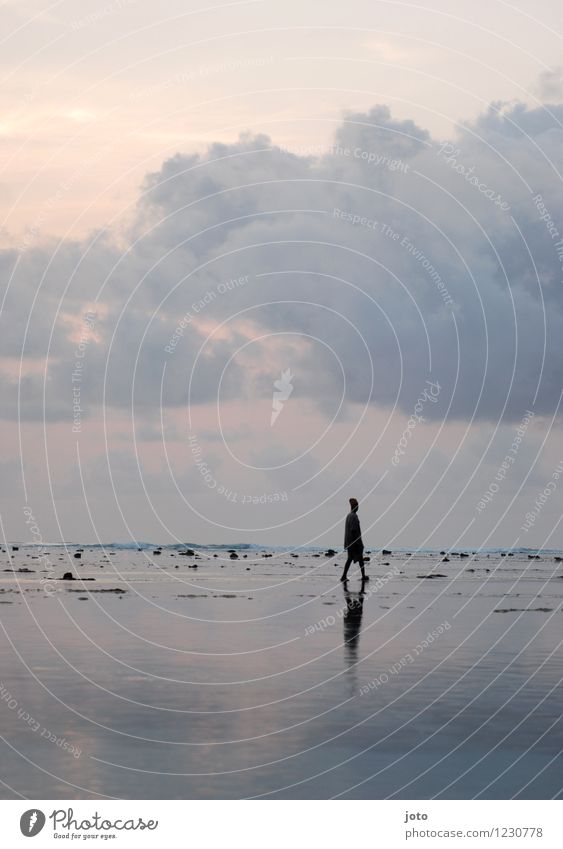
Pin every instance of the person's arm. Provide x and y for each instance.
(355, 530)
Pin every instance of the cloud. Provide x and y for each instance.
(393, 258)
(550, 84)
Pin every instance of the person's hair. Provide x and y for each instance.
(353, 502)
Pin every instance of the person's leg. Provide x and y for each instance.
(346, 567)
(364, 576)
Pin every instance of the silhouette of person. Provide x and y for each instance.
(353, 541)
(353, 624)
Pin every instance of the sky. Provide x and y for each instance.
(260, 257)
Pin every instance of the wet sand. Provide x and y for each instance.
(265, 677)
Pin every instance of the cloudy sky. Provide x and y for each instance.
(258, 257)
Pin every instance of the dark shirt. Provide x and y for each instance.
(352, 530)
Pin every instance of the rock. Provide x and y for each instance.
(15, 548)
(442, 553)
(534, 557)
(233, 555)
(385, 552)
(68, 576)
(463, 554)
(433, 575)
(157, 551)
(558, 559)
(445, 559)
(78, 555)
(330, 552)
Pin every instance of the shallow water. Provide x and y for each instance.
(264, 677)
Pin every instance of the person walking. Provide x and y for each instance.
(353, 541)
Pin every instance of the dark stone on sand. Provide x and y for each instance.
(470, 570)
(442, 553)
(524, 610)
(330, 552)
(534, 557)
(26, 570)
(15, 548)
(157, 551)
(367, 559)
(463, 554)
(433, 575)
(295, 555)
(192, 565)
(445, 559)
(558, 559)
(68, 576)
(510, 554)
(385, 552)
(78, 555)
(233, 555)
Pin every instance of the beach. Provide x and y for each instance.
(254, 673)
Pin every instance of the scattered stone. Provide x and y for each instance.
(15, 548)
(330, 552)
(385, 552)
(234, 556)
(445, 559)
(534, 557)
(68, 576)
(78, 555)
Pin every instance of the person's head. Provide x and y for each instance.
(354, 504)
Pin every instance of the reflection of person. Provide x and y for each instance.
(353, 541)
(353, 624)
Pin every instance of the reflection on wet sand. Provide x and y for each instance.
(352, 624)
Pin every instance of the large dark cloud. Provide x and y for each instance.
(394, 257)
